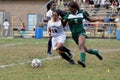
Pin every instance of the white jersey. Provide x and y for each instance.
(56, 28)
(6, 25)
(49, 13)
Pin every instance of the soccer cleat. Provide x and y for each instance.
(72, 62)
(99, 55)
(82, 63)
(49, 53)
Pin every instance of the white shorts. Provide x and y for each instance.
(59, 39)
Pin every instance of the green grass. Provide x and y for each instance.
(22, 50)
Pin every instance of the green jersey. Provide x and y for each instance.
(75, 22)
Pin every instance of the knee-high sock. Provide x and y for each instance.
(64, 56)
(49, 45)
(95, 52)
(83, 56)
(65, 50)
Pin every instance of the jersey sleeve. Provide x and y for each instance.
(66, 17)
(85, 15)
(47, 14)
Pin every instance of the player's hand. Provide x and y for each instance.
(49, 33)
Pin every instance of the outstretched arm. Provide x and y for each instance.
(94, 20)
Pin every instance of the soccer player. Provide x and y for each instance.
(74, 19)
(55, 30)
(50, 7)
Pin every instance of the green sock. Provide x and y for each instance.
(93, 51)
(83, 56)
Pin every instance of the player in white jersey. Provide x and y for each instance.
(50, 7)
(55, 30)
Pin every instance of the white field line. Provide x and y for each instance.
(22, 63)
(17, 44)
(13, 64)
(11, 44)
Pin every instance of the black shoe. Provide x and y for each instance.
(99, 55)
(82, 63)
(72, 62)
(49, 53)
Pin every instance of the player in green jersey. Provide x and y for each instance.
(74, 19)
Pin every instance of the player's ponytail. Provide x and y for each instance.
(49, 5)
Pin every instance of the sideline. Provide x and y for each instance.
(22, 63)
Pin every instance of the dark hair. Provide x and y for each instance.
(61, 13)
(57, 11)
(74, 5)
(5, 19)
(49, 5)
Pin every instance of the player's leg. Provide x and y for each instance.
(63, 48)
(6, 32)
(49, 47)
(81, 42)
(63, 55)
(94, 52)
(61, 39)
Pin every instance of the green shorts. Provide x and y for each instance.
(75, 37)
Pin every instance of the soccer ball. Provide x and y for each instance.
(36, 63)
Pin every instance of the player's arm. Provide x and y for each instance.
(48, 18)
(49, 31)
(91, 19)
(64, 22)
(94, 20)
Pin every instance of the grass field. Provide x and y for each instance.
(16, 54)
